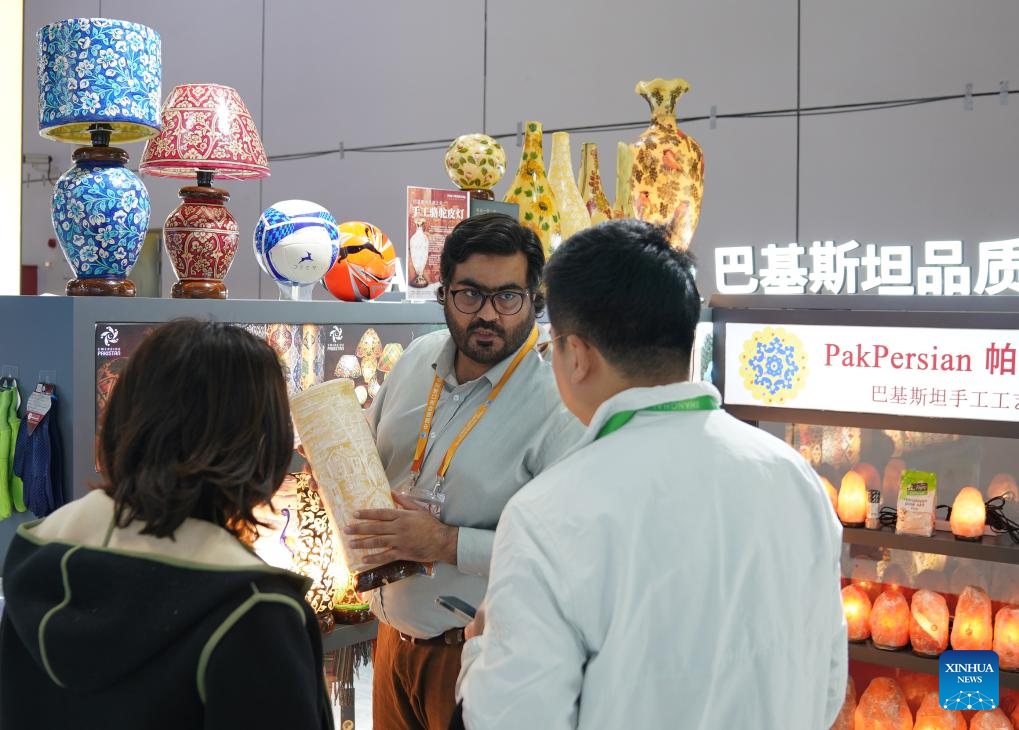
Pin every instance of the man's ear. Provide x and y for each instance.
(440, 294)
(581, 358)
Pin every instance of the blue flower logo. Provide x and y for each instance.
(773, 365)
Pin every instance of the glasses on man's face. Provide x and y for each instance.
(471, 301)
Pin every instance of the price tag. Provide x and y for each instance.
(39, 404)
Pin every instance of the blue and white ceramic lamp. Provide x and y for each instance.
(99, 83)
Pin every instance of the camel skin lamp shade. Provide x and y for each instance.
(99, 82)
(207, 132)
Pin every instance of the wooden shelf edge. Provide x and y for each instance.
(905, 659)
(345, 635)
(996, 549)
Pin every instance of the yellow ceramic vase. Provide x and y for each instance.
(573, 215)
(531, 191)
(667, 180)
(590, 185)
(623, 207)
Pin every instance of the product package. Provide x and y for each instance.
(917, 500)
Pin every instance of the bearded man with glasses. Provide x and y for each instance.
(466, 418)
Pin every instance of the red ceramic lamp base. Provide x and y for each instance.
(100, 287)
(199, 289)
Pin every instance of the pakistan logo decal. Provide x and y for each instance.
(773, 365)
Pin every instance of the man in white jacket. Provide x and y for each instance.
(679, 569)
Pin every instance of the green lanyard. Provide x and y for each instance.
(617, 420)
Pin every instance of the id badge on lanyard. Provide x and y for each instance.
(429, 496)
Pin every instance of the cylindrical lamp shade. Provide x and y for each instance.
(889, 621)
(206, 127)
(97, 70)
(1006, 637)
(856, 607)
(882, 706)
(971, 628)
(928, 623)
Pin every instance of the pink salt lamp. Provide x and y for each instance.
(928, 623)
(856, 607)
(1003, 485)
(915, 686)
(889, 621)
(990, 720)
(852, 506)
(1006, 637)
(844, 721)
(882, 706)
(932, 716)
(971, 628)
(968, 515)
(830, 491)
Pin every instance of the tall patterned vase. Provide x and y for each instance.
(573, 215)
(623, 207)
(667, 179)
(100, 214)
(590, 185)
(530, 190)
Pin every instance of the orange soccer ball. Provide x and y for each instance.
(366, 263)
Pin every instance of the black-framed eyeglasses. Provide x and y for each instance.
(471, 301)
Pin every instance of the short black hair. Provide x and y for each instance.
(198, 425)
(492, 233)
(621, 286)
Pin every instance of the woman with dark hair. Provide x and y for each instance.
(139, 606)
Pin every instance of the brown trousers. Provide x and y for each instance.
(413, 686)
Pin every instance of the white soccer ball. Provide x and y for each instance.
(296, 241)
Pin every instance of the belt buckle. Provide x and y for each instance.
(453, 637)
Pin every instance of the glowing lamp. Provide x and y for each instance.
(390, 354)
(856, 607)
(1003, 485)
(990, 720)
(830, 491)
(348, 367)
(972, 626)
(915, 686)
(932, 716)
(852, 505)
(889, 621)
(882, 706)
(968, 515)
(928, 623)
(844, 721)
(1006, 637)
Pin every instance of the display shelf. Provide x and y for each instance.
(996, 548)
(345, 635)
(906, 659)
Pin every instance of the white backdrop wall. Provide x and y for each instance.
(315, 73)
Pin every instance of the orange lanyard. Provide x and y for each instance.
(433, 401)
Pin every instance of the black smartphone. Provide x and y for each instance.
(458, 606)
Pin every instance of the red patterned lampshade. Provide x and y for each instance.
(207, 132)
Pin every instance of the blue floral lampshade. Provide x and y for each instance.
(98, 71)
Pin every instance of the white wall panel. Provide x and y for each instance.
(873, 49)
